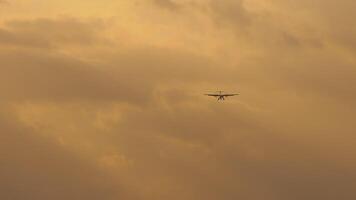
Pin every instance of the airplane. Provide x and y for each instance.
(221, 95)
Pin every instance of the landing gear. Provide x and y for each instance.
(221, 98)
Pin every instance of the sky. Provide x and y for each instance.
(103, 99)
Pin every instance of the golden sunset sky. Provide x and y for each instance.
(103, 100)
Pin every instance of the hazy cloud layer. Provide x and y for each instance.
(107, 103)
(167, 4)
(35, 167)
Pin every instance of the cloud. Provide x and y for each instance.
(35, 167)
(224, 13)
(107, 115)
(8, 38)
(169, 4)
(63, 79)
(47, 33)
(45, 74)
(230, 12)
(233, 155)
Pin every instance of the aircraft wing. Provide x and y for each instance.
(213, 95)
(229, 95)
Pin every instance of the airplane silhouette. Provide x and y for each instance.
(220, 95)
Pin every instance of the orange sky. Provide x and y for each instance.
(103, 99)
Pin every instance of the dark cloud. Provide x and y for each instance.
(35, 167)
(230, 12)
(169, 4)
(320, 73)
(331, 19)
(44, 77)
(8, 38)
(47, 33)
